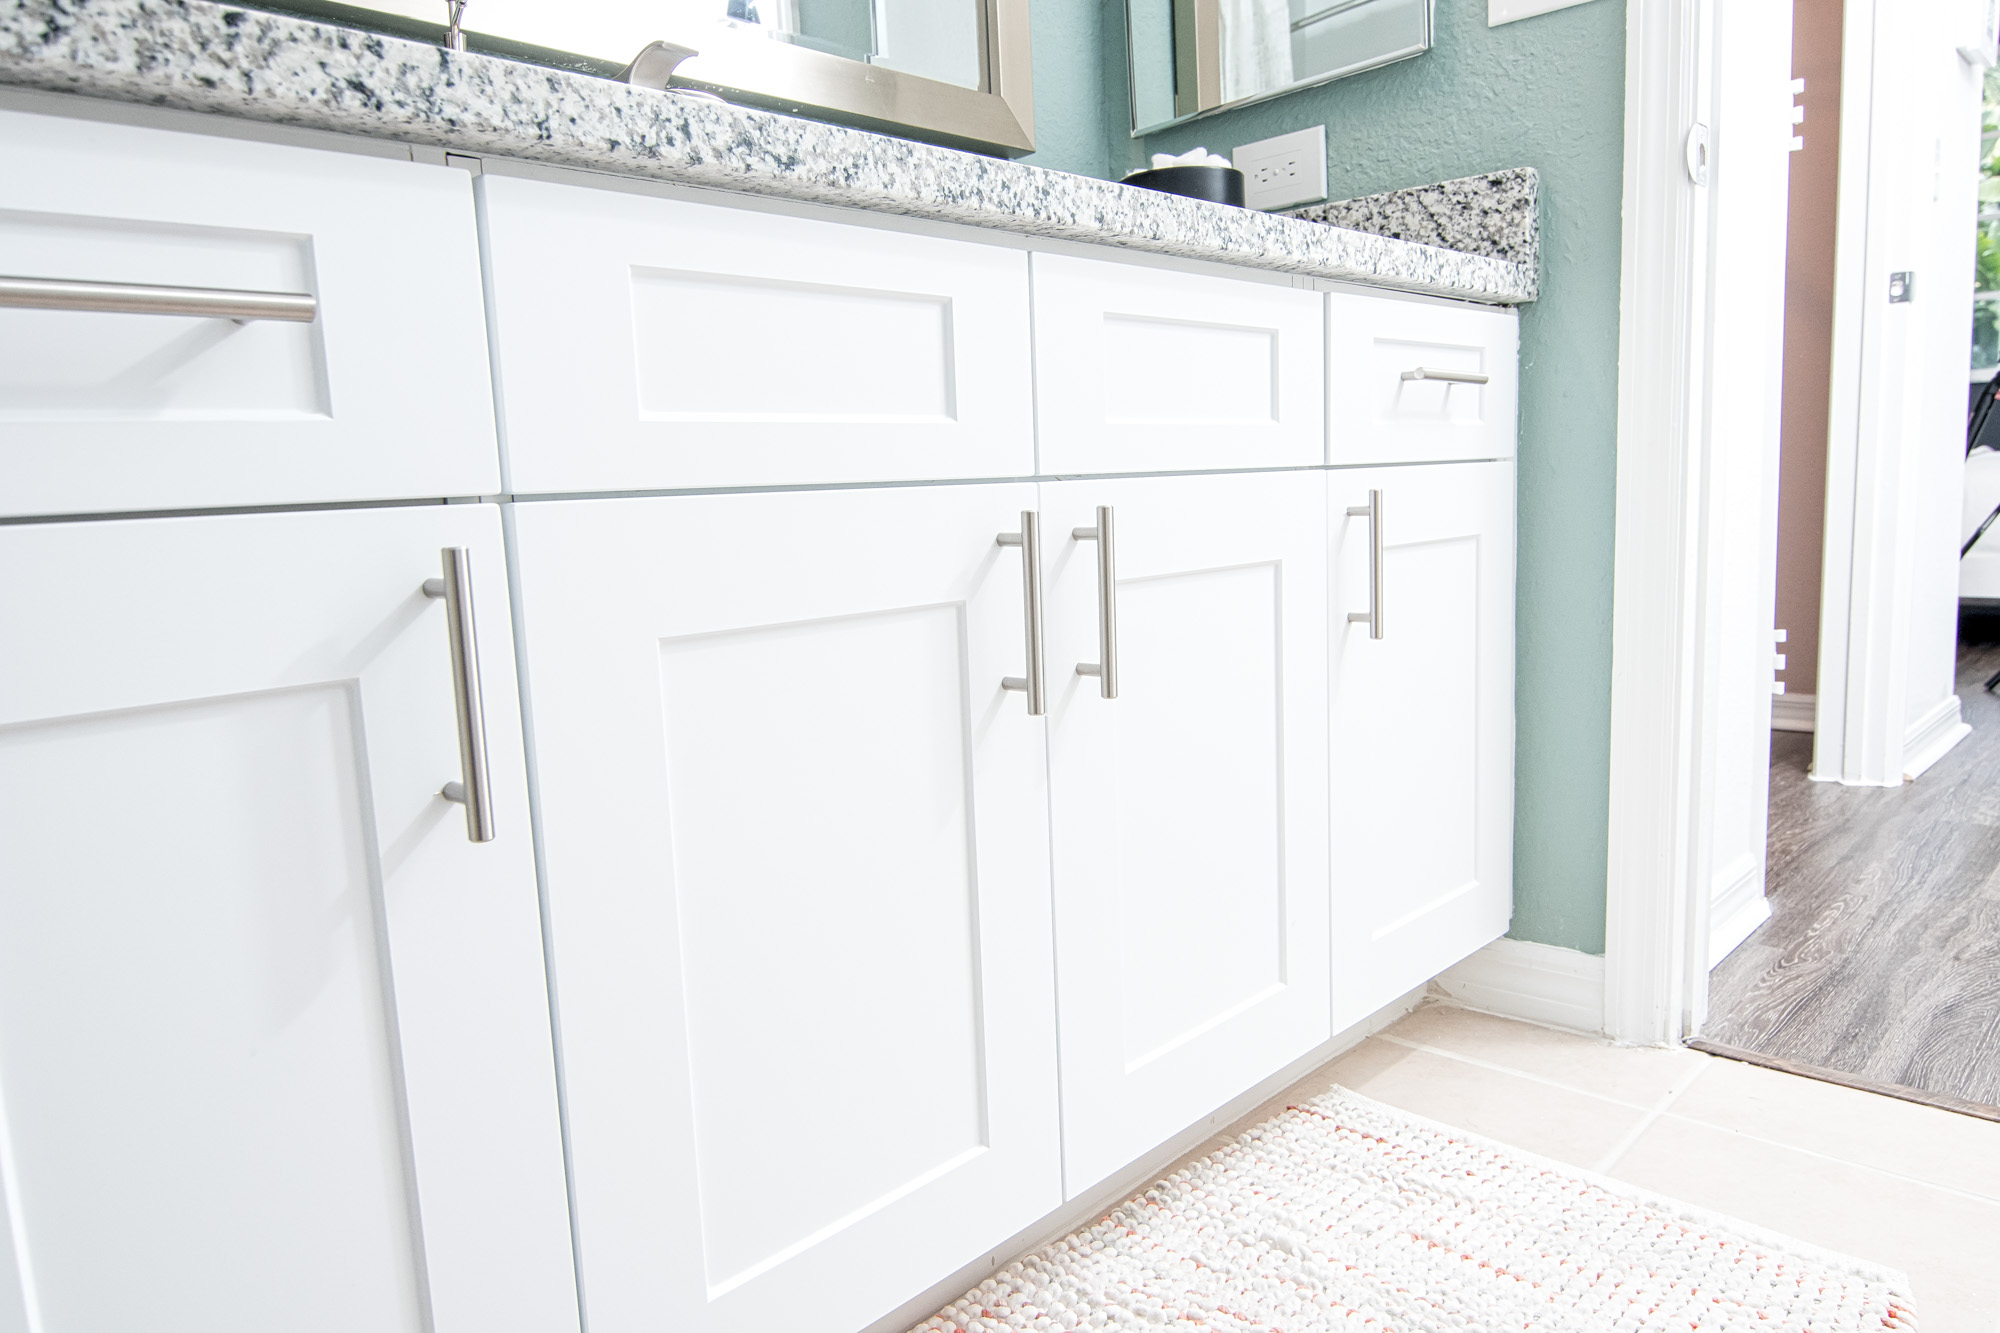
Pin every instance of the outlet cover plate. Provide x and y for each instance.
(1285, 171)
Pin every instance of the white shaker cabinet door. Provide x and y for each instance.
(1422, 725)
(274, 1034)
(377, 390)
(1189, 812)
(797, 867)
(659, 344)
(1141, 369)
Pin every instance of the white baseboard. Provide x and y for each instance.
(1794, 712)
(1737, 908)
(1537, 982)
(1926, 740)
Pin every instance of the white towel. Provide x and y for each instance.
(1256, 47)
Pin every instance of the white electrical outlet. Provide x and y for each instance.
(1286, 171)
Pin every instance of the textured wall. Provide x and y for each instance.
(1547, 93)
(1075, 43)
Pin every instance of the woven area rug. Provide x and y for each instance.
(1342, 1213)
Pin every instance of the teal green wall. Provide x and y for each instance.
(1076, 44)
(1547, 93)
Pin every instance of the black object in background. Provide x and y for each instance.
(1982, 423)
(1218, 185)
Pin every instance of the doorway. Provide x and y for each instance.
(1879, 963)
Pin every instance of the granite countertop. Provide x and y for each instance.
(197, 56)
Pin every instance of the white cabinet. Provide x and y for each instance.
(274, 1038)
(657, 344)
(383, 394)
(858, 966)
(1419, 380)
(1189, 812)
(794, 833)
(1422, 724)
(1148, 370)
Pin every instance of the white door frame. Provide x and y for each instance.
(1655, 969)
(1665, 673)
(1853, 535)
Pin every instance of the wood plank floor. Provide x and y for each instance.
(1882, 955)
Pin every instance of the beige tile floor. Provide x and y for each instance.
(1870, 1176)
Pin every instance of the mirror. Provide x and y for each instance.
(936, 39)
(955, 72)
(1191, 57)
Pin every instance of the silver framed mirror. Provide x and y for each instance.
(955, 72)
(1189, 58)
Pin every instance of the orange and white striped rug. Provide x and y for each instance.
(1342, 1213)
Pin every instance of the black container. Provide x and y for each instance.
(1218, 185)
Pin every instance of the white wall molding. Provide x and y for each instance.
(1794, 712)
(1930, 737)
(1739, 907)
(1539, 983)
(1654, 643)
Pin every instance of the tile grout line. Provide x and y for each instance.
(1476, 1062)
(1991, 1201)
(1662, 1110)
(1651, 1118)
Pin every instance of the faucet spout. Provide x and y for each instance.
(654, 66)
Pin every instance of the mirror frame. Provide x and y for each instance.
(1198, 64)
(754, 69)
(999, 117)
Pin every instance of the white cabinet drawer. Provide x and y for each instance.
(1150, 370)
(656, 344)
(1404, 380)
(383, 394)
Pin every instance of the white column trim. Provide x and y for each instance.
(1654, 650)
(1835, 759)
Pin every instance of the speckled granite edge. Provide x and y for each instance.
(197, 56)
(1492, 215)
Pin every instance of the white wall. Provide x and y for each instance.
(1944, 198)
(1751, 131)
(1908, 176)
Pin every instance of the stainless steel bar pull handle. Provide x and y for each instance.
(1029, 539)
(1447, 376)
(475, 790)
(1372, 617)
(1105, 668)
(139, 298)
